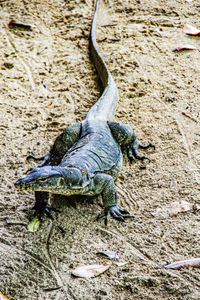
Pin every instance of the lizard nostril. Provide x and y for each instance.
(17, 183)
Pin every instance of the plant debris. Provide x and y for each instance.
(182, 206)
(90, 271)
(33, 225)
(52, 289)
(193, 262)
(185, 47)
(191, 30)
(174, 208)
(14, 23)
(110, 254)
(46, 105)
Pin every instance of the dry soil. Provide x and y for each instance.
(47, 82)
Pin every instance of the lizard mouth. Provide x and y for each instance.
(38, 179)
(20, 185)
(23, 184)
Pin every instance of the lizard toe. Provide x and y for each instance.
(118, 216)
(126, 213)
(119, 213)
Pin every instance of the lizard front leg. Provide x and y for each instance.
(41, 205)
(126, 137)
(61, 145)
(104, 185)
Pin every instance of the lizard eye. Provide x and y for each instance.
(43, 179)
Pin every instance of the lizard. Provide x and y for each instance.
(86, 158)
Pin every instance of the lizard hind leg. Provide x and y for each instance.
(126, 137)
(133, 153)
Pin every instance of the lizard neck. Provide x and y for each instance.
(105, 107)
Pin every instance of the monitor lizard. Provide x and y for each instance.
(86, 158)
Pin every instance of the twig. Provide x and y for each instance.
(193, 262)
(53, 269)
(188, 116)
(109, 25)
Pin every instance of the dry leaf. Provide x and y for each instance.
(174, 208)
(90, 271)
(33, 225)
(2, 297)
(185, 47)
(189, 29)
(181, 206)
(189, 0)
(194, 262)
(110, 254)
(19, 24)
(121, 264)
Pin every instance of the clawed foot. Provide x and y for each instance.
(42, 207)
(133, 153)
(34, 221)
(46, 210)
(39, 212)
(116, 212)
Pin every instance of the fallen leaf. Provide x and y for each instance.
(174, 208)
(189, 0)
(33, 225)
(189, 29)
(185, 47)
(181, 206)
(193, 262)
(2, 297)
(110, 254)
(121, 264)
(15, 23)
(90, 271)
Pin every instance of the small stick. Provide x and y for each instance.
(73, 26)
(193, 262)
(109, 25)
(52, 289)
(188, 116)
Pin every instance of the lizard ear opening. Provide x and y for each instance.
(60, 181)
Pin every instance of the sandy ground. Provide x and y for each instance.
(48, 82)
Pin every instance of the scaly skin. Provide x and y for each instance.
(86, 158)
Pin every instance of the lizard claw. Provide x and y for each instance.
(115, 212)
(133, 153)
(39, 212)
(47, 211)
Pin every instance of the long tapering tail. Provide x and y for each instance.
(104, 108)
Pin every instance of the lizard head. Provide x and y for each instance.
(51, 179)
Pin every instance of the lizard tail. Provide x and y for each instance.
(105, 107)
